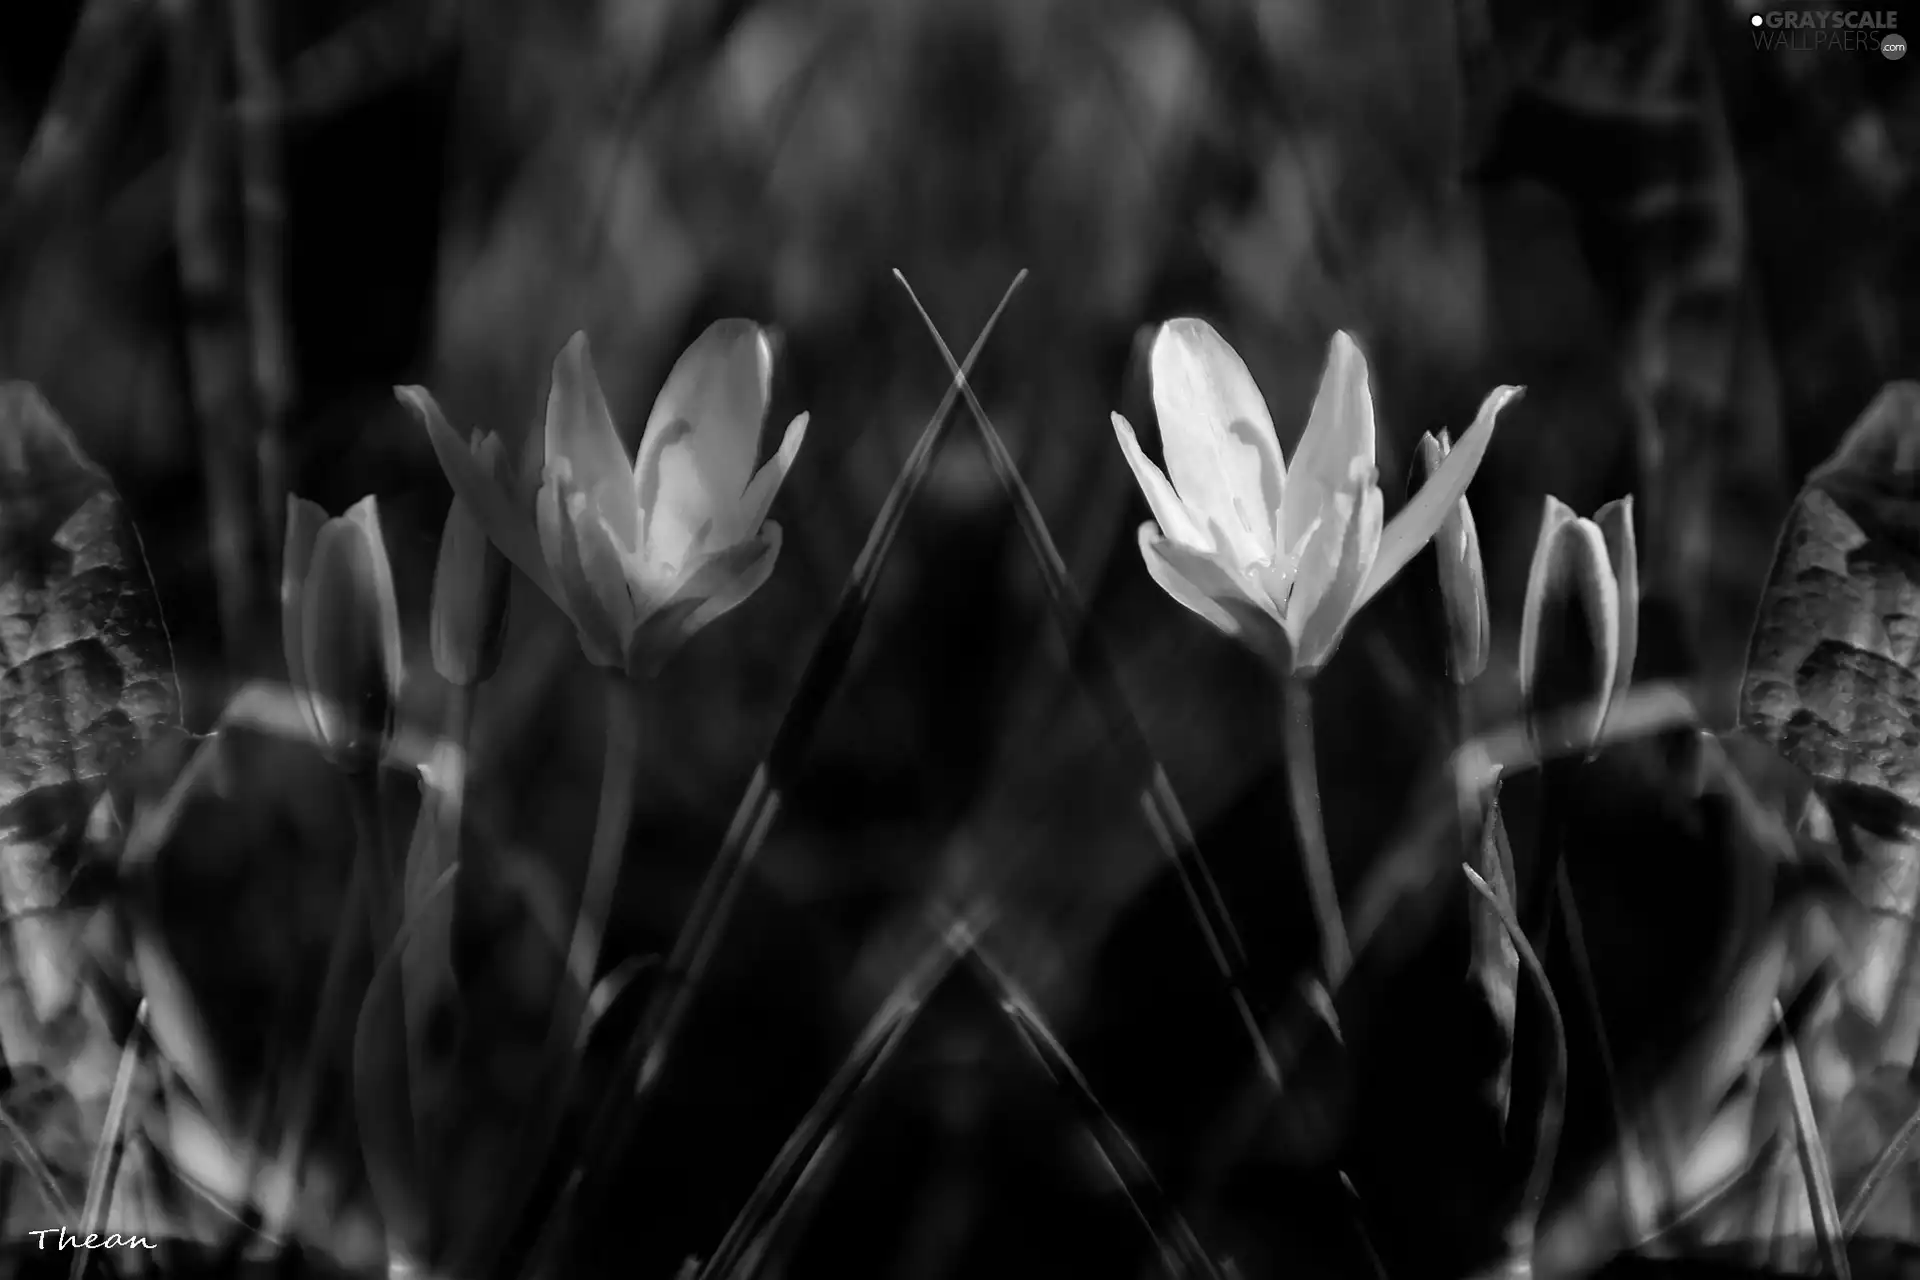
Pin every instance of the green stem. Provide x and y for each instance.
(333, 1014)
(611, 824)
(1304, 787)
(610, 828)
(425, 956)
(380, 884)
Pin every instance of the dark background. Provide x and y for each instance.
(1696, 255)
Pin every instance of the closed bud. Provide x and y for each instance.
(341, 628)
(470, 586)
(1463, 578)
(1569, 633)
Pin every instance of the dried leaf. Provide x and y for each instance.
(1833, 672)
(86, 672)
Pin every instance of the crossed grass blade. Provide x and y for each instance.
(113, 1143)
(798, 1166)
(646, 1051)
(1094, 667)
(36, 1167)
(1179, 1248)
(1524, 1228)
(1828, 1231)
(1891, 1157)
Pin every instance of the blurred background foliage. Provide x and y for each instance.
(229, 228)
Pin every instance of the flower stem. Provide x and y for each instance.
(425, 959)
(610, 828)
(1304, 789)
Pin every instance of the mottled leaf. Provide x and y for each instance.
(1833, 671)
(86, 671)
(1833, 683)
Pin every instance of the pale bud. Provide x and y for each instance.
(1463, 578)
(470, 584)
(341, 628)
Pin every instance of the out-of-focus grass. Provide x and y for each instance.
(1284, 168)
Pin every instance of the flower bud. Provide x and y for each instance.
(341, 628)
(1569, 633)
(470, 586)
(1463, 579)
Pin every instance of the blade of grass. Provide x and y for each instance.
(1173, 1238)
(740, 1251)
(1641, 1218)
(645, 1056)
(1889, 1159)
(1524, 1228)
(1827, 1230)
(113, 1144)
(43, 1179)
(1496, 962)
(1095, 668)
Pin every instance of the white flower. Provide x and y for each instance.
(639, 555)
(1237, 527)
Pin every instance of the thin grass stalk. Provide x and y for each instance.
(1173, 1238)
(331, 1015)
(432, 856)
(799, 1159)
(771, 1253)
(1828, 1232)
(647, 1050)
(1523, 1230)
(263, 203)
(1095, 667)
(1640, 1219)
(113, 1143)
(1891, 1157)
(36, 1167)
(1303, 788)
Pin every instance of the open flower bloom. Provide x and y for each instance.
(1463, 578)
(639, 555)
(1580, 626)
(341, 626)
(1238, 527)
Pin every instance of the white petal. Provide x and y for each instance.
(1339, 432)
(714, 398)
(758, 499)
(1317, 615)
(508, 521)
(1615, 520)
(1194, 578)
(680, 506)
(599, 639)
(1216, 435)
(304, 521)
(580, 429)
(1415, 524)
(1165, 504)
